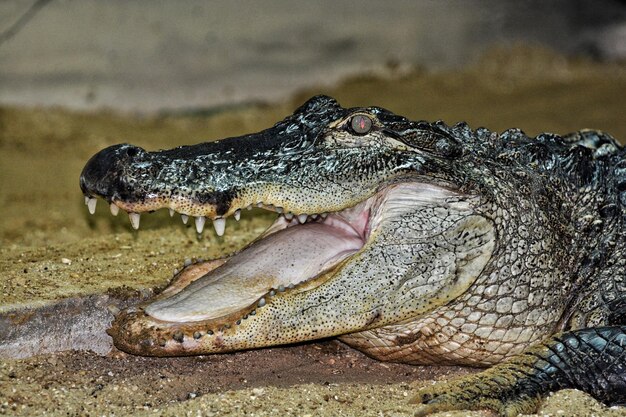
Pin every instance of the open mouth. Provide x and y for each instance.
(295, 254)
(293, 251)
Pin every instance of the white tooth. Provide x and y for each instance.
(314, 216)
(134, 220)
(237, 215)
(261, 302)
(91, 205)
(249, 207)
(200, 223)
(114, 209)
(184, 218)
(324, 215)
(220, 225)
(288, 216)
(259, 204)
(302, 217)
(86, 200)
(172, 212)
(279, 210)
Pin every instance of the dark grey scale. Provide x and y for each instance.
(591, 360)
(592, 139)
(620, 180)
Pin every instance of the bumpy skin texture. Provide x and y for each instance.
(521, 264)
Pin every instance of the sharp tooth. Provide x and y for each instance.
(184, 218)
(249, 207)
(114, 209)
(237, 215)
(220, 225)
(324, 215)
(314, 216)
(91, 205)
(302, 217)
(86, 200)
(259, 204)
(279, 210)
(134, 220)
(288, 216)
(200, 223)
(172, 212)
(261, 302)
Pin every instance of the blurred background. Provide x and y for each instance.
(147, 55)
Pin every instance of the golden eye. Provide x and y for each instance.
(361, 124)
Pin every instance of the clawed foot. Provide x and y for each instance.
(498, 392)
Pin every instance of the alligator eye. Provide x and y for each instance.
(361, 124)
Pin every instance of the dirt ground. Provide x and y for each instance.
(51, 248)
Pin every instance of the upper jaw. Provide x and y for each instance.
(216, 185)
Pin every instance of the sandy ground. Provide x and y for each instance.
(51, 248)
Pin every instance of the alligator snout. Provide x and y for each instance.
(100, 176)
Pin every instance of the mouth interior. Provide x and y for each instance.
(286, 255)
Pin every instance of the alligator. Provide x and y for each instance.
(411, 241)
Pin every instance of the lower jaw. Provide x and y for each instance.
(136, 332)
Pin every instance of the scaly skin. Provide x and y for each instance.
(480, 249)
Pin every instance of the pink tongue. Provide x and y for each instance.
(287, 257)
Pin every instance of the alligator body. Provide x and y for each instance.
(412, 241)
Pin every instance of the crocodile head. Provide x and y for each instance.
(377, 225)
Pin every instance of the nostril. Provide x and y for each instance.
(98, 173)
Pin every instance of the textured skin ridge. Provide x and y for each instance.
(592, 360)
(524, 296)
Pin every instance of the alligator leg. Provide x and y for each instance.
(592, 360)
